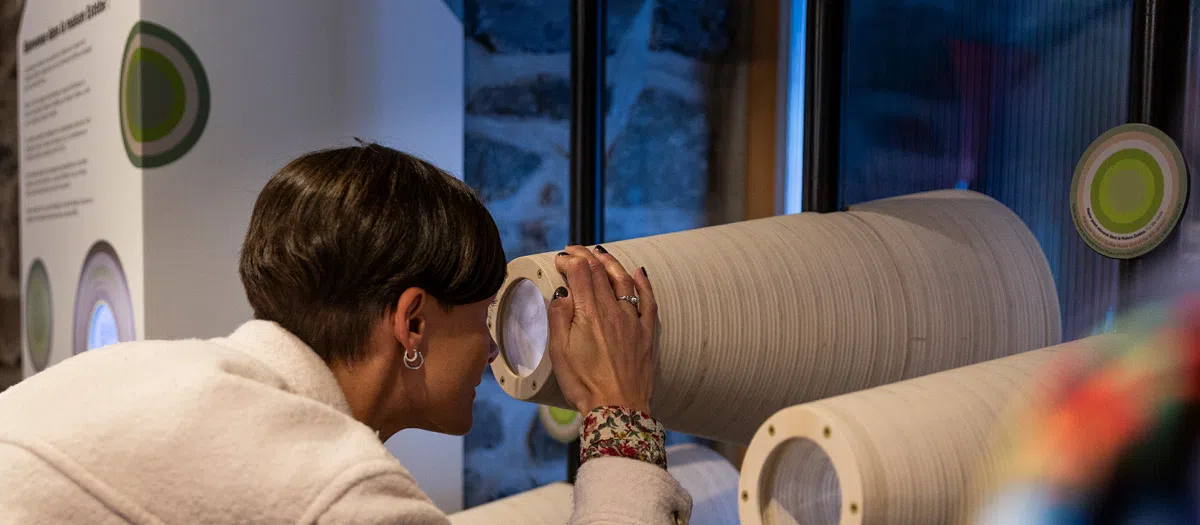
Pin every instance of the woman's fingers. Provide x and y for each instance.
(602, 352)
(602, 293)
(562, 310)
(647, 303)
(622, 284)
(578, 273)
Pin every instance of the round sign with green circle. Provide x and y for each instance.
(1129, 191)
(164, 100)
(563, 416)
(39, 316)
(561, 424)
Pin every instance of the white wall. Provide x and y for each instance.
(277, 91)
(407, 59)
(286, 77)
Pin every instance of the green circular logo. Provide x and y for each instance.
(563, 416)
(164, 100)
(39, 316)
(1129, 191)
(561, 424)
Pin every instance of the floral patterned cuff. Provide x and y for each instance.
(621, 432)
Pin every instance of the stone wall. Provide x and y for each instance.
(10, 280)
(664, 65)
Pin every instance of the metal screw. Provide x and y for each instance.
(771, 430)
(828, 432)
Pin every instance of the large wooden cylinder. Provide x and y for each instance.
(761, 315)
(917, 452)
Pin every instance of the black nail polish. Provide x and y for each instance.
(560, 292)
(560, 254)
(644, 274)
(601, 249)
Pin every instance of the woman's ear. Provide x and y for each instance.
(409, 321)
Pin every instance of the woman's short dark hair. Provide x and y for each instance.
(337, 235)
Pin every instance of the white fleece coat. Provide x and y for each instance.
(249, 429)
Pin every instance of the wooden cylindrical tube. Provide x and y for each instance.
(761, 315)
(909, 453)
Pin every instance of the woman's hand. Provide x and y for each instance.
(602, 347)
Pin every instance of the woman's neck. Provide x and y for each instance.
(373, 386)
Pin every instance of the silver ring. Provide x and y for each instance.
(632, 300)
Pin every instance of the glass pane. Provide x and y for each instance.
(998, 97)
(518, 106)
(668, 90)
(1189, 144)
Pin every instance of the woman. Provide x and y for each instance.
(370, 273)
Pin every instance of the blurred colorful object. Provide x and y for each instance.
(1116, 441)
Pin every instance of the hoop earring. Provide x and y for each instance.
(414, 362)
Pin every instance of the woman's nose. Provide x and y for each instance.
(493, 352)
